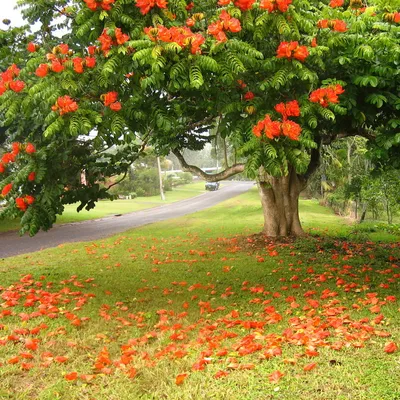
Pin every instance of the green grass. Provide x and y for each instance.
(106, 208)
(179, 291)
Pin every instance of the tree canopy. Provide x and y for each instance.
(278, 78)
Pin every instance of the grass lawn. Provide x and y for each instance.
(202, 308)
(107, 208)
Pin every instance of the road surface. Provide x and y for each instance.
(11, 244)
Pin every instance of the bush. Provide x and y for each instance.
(185, 178)
(140, 192)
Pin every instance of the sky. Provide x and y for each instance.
(7, 12)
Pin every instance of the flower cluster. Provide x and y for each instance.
(392, 17)
(182, 36)
(32, 47)
(249, 96)
(336, 25)
(326, 96)
(107, 41)
(110, 100)
(32, 176)
(103, 4)
(273, 5)
(65, 105)
(244, 5)
(336, 3)
(6, 189)
(146, 5)
(8, 81)
(191, 21)
(289, 109)
(79, 63)
(30, 148)
(225, 23)
(274, 129)
(291, 50)
(11, 156)
(59, 57)
(22, 203)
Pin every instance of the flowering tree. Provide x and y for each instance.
(276, 77)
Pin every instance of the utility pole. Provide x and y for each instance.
(160, 178)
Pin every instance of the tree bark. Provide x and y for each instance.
(280, 204)
(279, 195)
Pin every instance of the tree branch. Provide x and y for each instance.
(119, 181)
(365, 133)
(315, 160)
(233, 170)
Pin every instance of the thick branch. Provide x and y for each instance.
(365, 133)
(315, 161)
(233, 170)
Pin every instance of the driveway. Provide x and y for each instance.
(11, 244)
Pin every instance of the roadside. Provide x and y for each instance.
(107, 208)
(11, 244)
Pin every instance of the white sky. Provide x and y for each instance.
(7, 12)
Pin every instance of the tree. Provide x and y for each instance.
(381, 190)
(277, 78)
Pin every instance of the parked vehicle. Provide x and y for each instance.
(212, 186)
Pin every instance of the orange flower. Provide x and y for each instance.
(291, 129)
(56, 66)
(65, 104)
(16, 148)
(17, 86)
(292, 50)
(109, 98)
(325, 96)
(78, 64)
(121, 37)
(31, 47)
(41, 70)
(275, 376)
(71, 376)
(30, 148)
(29, 199)
(180, 378)
(390, 347)
(146, 5)
(6, 189)
(8, 158)
(339, 25)
(290, 109)
(249, 95)
(273, 5)
(244, 5)
(115, 106)
(310, 366)
(90, 62)
(20, 203)
(314, 42)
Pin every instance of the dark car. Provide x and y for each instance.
(212, 186)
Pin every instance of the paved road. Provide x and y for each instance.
(12, 244)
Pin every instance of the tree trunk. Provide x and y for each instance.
(280, 204)
(356, 210)
(364, 213)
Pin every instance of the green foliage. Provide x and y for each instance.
(174, 83)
